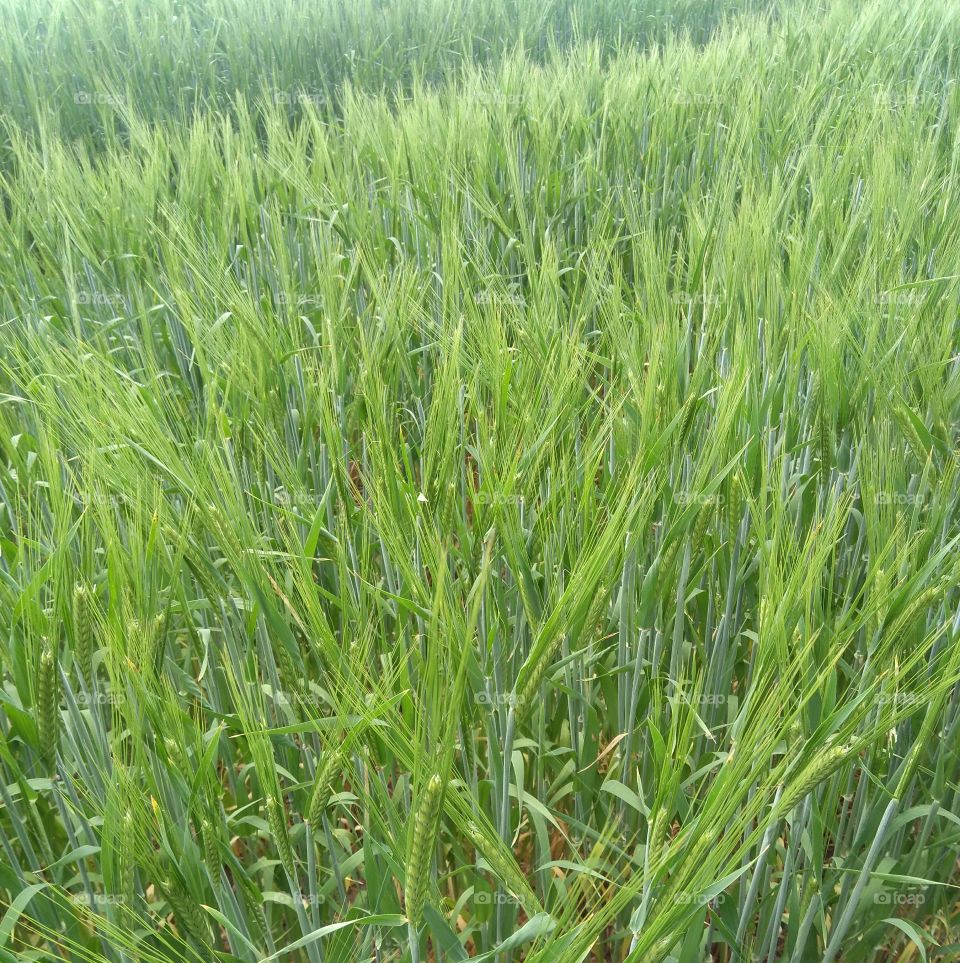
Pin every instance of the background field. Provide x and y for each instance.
(479, 480)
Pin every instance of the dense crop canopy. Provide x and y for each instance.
(479, 480)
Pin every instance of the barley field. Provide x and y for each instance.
(479, 481)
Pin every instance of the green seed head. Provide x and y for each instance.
(83, 631)
(422, 843)
(286, 668)
(276, 817)
(502, 865)
(321, 792)
(189, 917)
(254, 901)
(48, 708)
(126, 855)
(211, 850)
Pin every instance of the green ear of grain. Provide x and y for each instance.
(211, 850)
(322, 787)
(276, 817)
(48, 708)
(503, 866)
(818, 770)
(127, 857)
(158, 645)
(290, 677)
(83, 630)
(422, 842)
(257, 920)
(191, 920)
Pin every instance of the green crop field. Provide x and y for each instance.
(480, 479)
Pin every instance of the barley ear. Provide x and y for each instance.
(421, 849)
(290, 678)
(83, 631)
(189, 916)
(211, 851)
(505, 869)
(276, 817)
(254, 902)
(158, 645)
(321, 792)
(126, 856)
(48, 709)
(816, 772)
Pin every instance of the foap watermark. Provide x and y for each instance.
(910, 298)
(695, 98)
(706, 699)
(908, 699)
(89, 98)
(700, 899)
(96, 900)
(304, 698)
(297, 97)
(99, 298)
(697, 297)
(495, 899)
(500, 297)
(899, 899)
(311, 900)
(895, 99)
(898, 498)
(698, 498)
(508, 699)
(499, 97)
(497, 499)
(96, 698)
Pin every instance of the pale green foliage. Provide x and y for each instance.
(502, 452)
